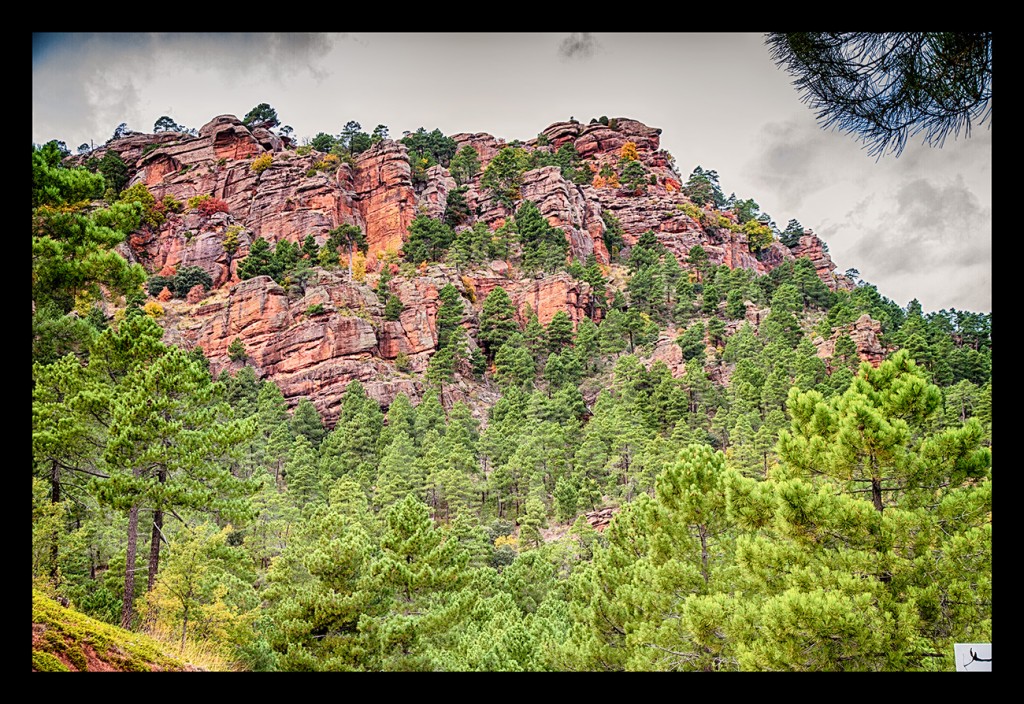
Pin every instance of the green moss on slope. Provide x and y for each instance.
(62, 635)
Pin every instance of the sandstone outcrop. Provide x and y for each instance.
(811, 247)
(864, 332)
(316, 354)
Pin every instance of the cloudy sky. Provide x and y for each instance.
(919, 226)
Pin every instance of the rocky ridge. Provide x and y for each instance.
(316, 355)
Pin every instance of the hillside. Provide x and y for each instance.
(455, 403)
(64, 640)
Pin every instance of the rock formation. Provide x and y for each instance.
(864, 332)
(317, 354)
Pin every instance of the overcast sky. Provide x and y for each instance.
(919, 226)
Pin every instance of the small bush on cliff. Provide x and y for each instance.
(261, 163)
(230, 240)
(195, 201)
(759, 235)
(315, 309)
(155, 284)
(172, 204)
(151, 216)
(190, 276)
(213, 205)
(153, 309)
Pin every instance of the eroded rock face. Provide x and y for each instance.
(292, 199)
(865, 333)
(486, 145)
(382, 186)
(316, 355)
(546, 296)
(811, 247)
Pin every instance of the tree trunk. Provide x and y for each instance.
(154, 549)
(128, 606)
(876, 493)
(54, 540)
(184, 627)
(154, 541)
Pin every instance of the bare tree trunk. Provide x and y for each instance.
(154, 541)
(54, 498)
(184, 627)
(876, 493)
(154, 549)
(128, 606)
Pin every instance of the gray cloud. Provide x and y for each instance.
(104, 75)
(930, 240)
(578, 45)
(795, 161)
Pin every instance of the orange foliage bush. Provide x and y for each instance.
(212, 205)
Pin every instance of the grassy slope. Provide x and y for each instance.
(64, 640)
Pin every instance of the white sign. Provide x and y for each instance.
(973, 657)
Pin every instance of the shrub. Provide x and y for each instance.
(315, 309)
(330, 162)
(172, 204)
(156, 283)
(542, 140)
(194, 201)
(213, 205)
(190, 276)
(165, 294)
(393, 308)
(359, 267)
(138, 193)
(261, 163)
(402, 363)
(153, 309)
(230, 240)
(692, 210)
(304, 150)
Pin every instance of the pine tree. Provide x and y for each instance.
(306, 421)
(419, 568)
(303, 476)
(73, 249)
(559, 331)
(169, 444)
(497, 321)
